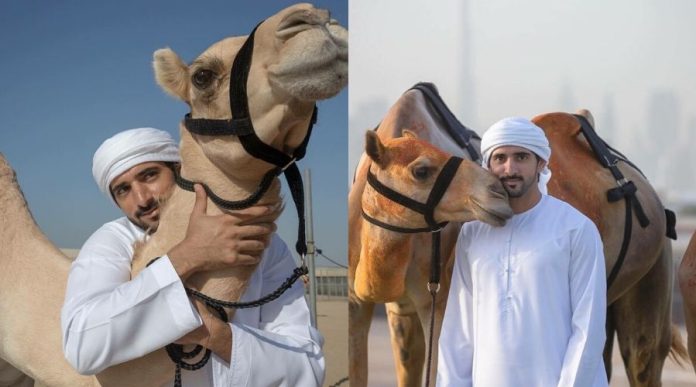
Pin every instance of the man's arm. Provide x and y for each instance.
(588, 298)
(456, 345)
(107, 318)
(275, 345)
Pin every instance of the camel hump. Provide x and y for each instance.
(11, 195)
(586, 113)
(6, 172)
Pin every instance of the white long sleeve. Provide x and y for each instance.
(107, 318)
(274, 345)
(588, 302)
(527, 303)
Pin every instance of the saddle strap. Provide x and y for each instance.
(460, 133)
(628, 228)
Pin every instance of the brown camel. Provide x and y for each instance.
(393, 268)
(687, 286)
(640, 299)
(299, 56)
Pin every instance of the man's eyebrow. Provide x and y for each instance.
(522, 153)
(118, 186)
(147, 170)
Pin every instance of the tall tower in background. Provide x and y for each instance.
(606, 122)
(657, 139)
(466, 109)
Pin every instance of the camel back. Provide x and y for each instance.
(617, 198)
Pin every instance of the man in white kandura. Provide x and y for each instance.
(527, 304)
(109, 318)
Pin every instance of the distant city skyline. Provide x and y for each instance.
(629, 62)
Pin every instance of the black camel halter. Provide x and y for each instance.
(427, 209)
(240, 125)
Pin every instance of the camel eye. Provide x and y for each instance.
(421, 172)
(202, 78)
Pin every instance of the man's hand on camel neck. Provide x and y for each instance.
(220, 241)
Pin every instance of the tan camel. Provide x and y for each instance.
(393, 268)
(33, 274)
(640, 299)
(687, 286)
(300, 56)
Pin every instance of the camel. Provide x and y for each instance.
(33, 274)
(640, 298)
(393, 268)
(299, 56)
(687, 283)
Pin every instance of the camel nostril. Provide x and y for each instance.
(302, 20)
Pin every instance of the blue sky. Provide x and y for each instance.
(74, 73)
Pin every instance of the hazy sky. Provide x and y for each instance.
(632, 63)
(74, 73)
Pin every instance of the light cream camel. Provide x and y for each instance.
(640, 299)
(33, 274)
(300, 56)
(393, 268)
(687, 286)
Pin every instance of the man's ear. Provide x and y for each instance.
(375, 149)
(541, 163)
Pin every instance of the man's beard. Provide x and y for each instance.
(150, 227)
(521, 189)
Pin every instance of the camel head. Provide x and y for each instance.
(300, 55)
(410, 166)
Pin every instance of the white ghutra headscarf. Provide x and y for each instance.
(128, 149)
(517, 131)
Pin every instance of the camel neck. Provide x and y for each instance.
(226, 179)
(384, 260)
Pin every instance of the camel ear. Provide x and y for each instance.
(408, 133)
(171, 73)
(375, 149)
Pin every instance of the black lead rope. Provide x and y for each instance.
(176, 351)
(427, 209)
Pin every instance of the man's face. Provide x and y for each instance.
(517, 168)
(139, 190)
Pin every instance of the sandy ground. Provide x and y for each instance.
(382, 374)
(332, 319)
